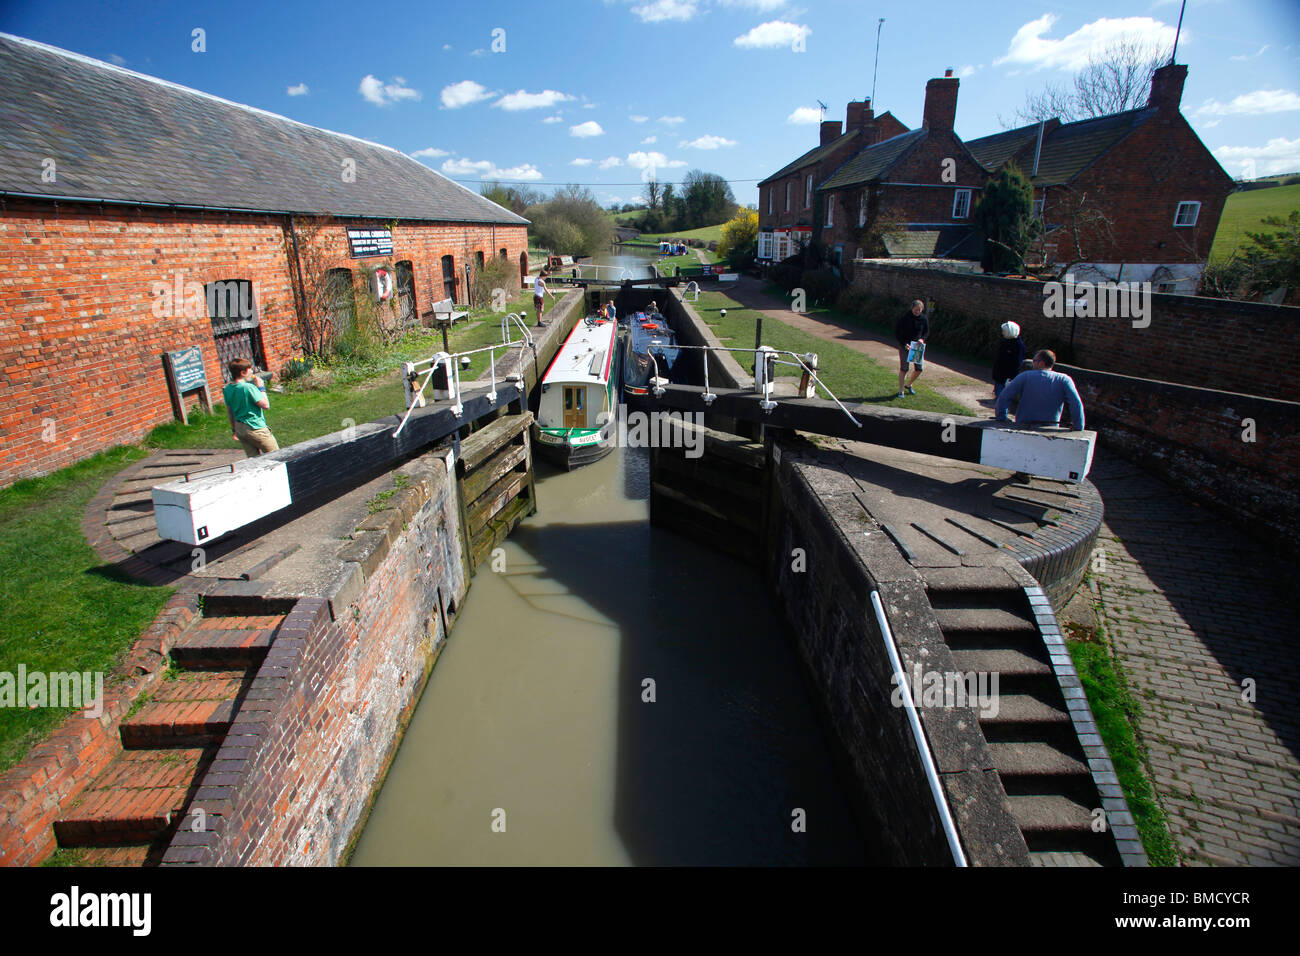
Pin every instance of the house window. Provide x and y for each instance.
(830, 211)
(1038, 209)
(961, 204)
(1187, 213)
(807, 193)
(765, 245)
(858, 254)
(236, 330)
(862, 210)
(770, 190)
(787, 197)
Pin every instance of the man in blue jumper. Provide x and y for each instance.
(1042, 394)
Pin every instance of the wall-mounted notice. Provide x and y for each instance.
(185, 373)
(370, 242)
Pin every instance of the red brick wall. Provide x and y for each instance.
(80, 345)
(1191, 339)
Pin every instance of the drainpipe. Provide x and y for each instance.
(1038, 149)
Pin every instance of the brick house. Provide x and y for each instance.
(909, 195)
(1133, 196)
(786, 198)
(126, 201)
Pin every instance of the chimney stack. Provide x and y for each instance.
(941, 102)
(1167, 87)
(858, 115)
(830, 131)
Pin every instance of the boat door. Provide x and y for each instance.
(575, 406)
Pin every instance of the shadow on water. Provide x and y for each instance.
(712, 771)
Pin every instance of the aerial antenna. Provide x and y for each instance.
(1174, 51)
(880, 26)
(824, 108)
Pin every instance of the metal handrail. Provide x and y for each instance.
(918, 735)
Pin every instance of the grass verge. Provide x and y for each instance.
(1115, 712)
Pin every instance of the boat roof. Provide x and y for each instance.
(642, 338)
(585, 356)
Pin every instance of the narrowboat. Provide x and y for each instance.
(577, 414)
(648, 335)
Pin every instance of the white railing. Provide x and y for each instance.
(411, 371)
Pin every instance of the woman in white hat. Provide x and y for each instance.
(1011, 352)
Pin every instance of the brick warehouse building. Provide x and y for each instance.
(126, 201)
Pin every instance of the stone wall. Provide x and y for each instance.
(294, 779)
(1195, 438)
(1191, 340)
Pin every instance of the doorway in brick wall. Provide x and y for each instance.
(236, 328)
(449, 278)
(406, 314)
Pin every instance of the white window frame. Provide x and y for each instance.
(807, 193)
(770, 190)
(765, 245)
(830, 210)
(957, 196)
(1196, 213)
(787, 195)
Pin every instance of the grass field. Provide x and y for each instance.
(1245, 212)
(704, 234)
(853, 377)
(64, 610)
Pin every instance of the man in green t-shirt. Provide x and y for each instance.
(245, 401)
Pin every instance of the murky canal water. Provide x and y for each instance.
(534, 716)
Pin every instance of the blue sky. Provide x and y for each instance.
(601, 91)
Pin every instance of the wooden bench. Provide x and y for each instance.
(445, 312)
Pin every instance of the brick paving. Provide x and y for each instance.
(1195, 609)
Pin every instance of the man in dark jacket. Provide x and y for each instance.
(913, 326)
(1010, 355)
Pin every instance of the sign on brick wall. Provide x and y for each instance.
(370, 242)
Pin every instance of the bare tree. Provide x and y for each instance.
(1115, 79)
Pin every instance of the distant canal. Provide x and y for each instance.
(536, 718)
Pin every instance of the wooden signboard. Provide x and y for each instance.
(364, 243)
(185, 373)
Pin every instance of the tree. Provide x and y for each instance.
(1267, 266)
(708, 199)
(739, 242)
(1005, 217)
(652, 196)
(571, 222)
(514, 198)
(1115, 79)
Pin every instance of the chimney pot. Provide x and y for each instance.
(1167, 87)
(830, 131)
(947, 73)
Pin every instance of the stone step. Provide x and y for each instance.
(131, 854)
(227, 641)
(195, 709)
(1062, 858)
(1050, 813)
(972, 587)
(1025, 709)
(1008, 661)
(984, 620)
(1035, 759)
(135, 800)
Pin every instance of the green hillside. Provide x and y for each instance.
(1245, 212)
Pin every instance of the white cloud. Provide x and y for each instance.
(431, 153)
(708, 141)
(649, 139)
(1249, 56)
(968, 70)
(581, 162)
(643, 160)
(589, 106)
(609, 162)
(672, 120)
(446, 46)
(298, 90)
(479, 52)
(1029, 48)
(117, 59)
(385, 94)
(456, 95)
(659, 11)
(523, 100)
(1253, 104)
(774, 33)
(557, 118)
(638, 119)
(586, 130)
(1278, 156)
(805, 116)
(485, 169)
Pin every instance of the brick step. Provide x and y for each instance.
(1051, 813)
(984, 620)
(227, 642)
(137, 798)
(195, 709)
(131, 854)
(1000, 660)
(1036, 759)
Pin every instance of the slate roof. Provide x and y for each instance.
(814, 155)
(933, 242)
(118, 135)
(873, 162)
(1067, 150)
